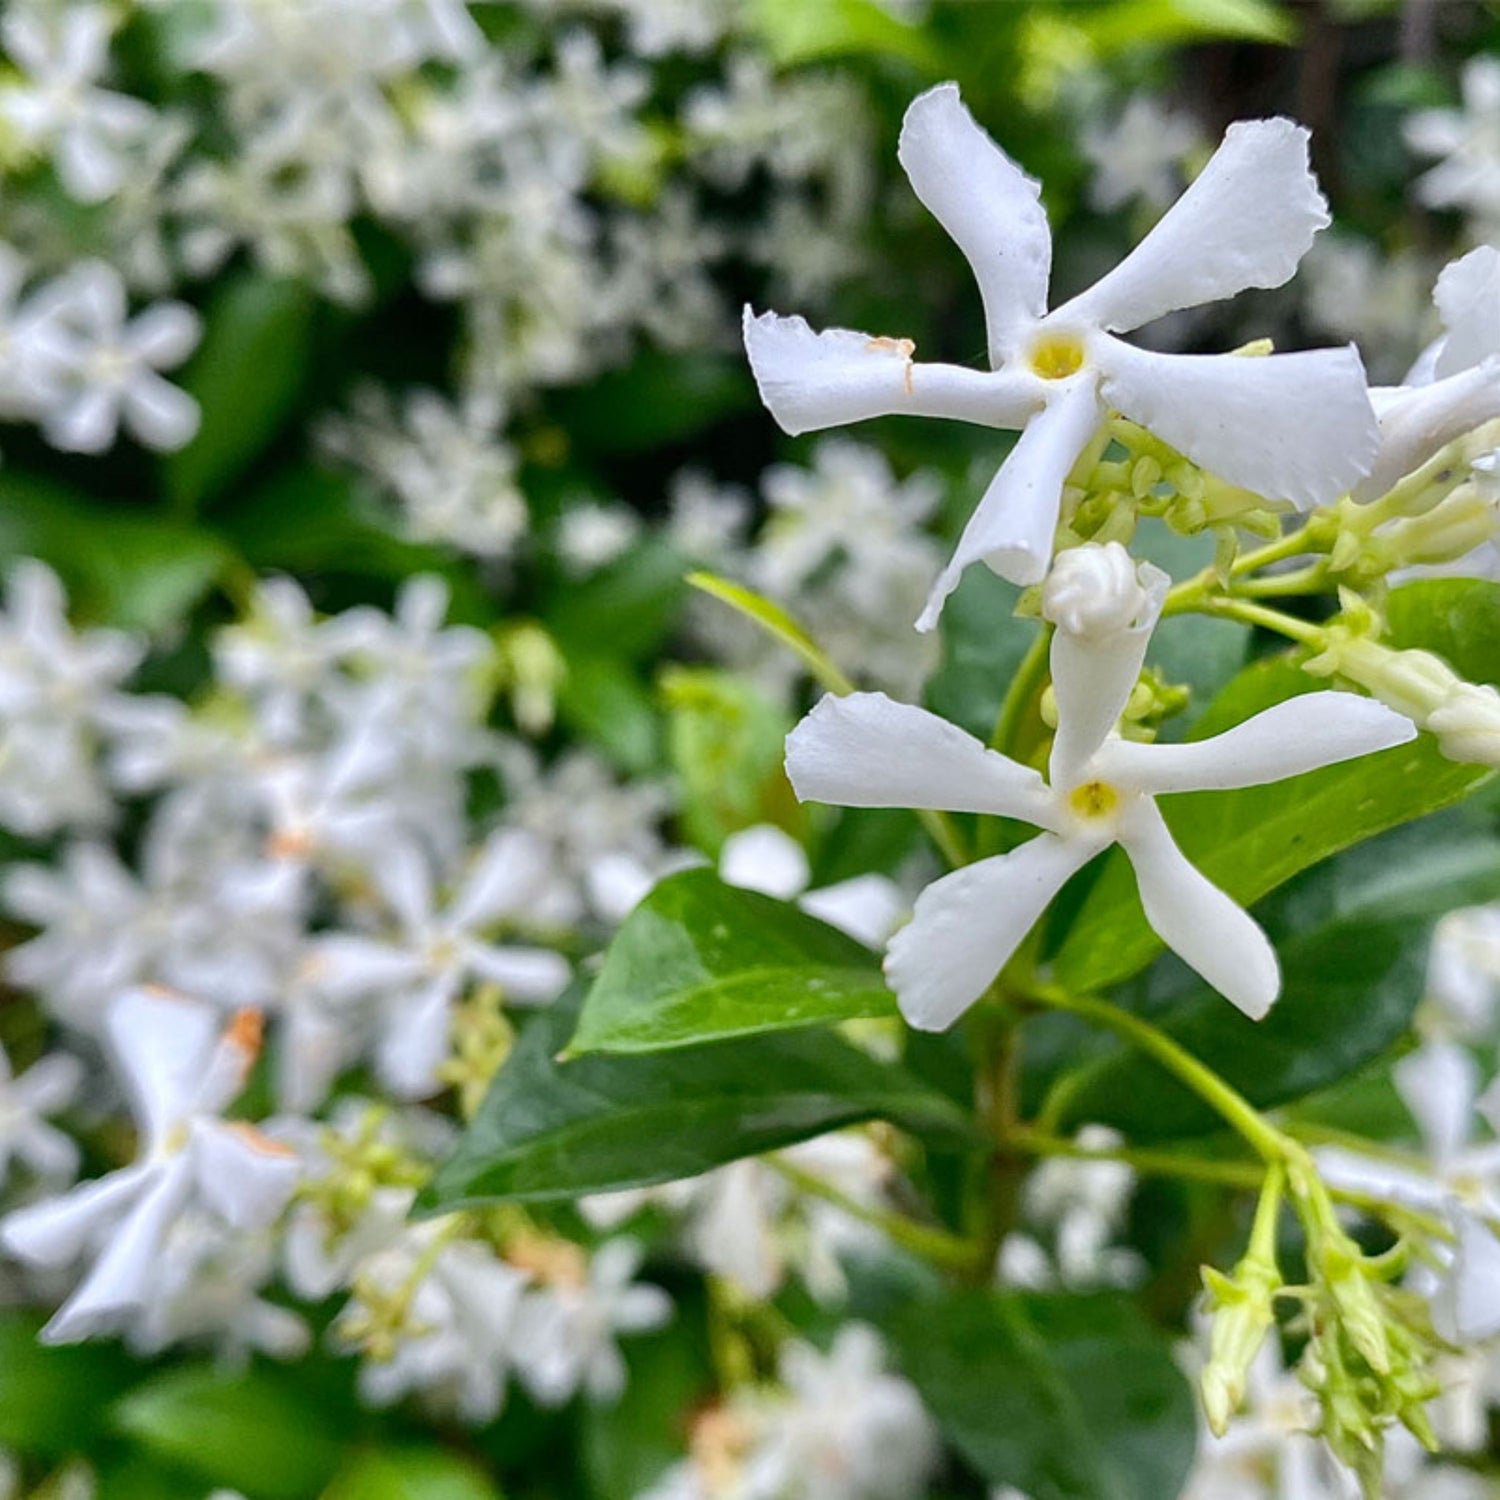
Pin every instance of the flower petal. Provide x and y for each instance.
(1302, 734)
(415, 1040)
(503, 875)
(810, 380)
(161, 415)
(55, 1231)
(765, 858)
(966, 926)
(243, 1176)
(1092, 679)
(1293, 427)
(1247, 219)
(866, 750)
(988, 205)
(1469, 1301)
(528, 976)
(1416, 422)
(1013, 527)
(1439, 1084)
(1467, 297)
(1203, 926)
(161, 1042)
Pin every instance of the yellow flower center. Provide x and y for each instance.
(1055, 356)
(1094, 799)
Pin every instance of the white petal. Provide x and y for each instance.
(121, 1278)
(161, 1042)
(1439, 1084)
(163, 417)
(501, 879)
(1092, 680)
(1302, 734)
(989, 206)
(1416, 422)
(810, 380)
(1246, 221)
(85, 423)
(404, 876)
(867, 907)
(1473, 1290)
(164, 335)
(966, 926)
(344, 966)
(765, 859)
(49, 1153)
(243, 1175)
(1467, 296)
(1293, 427)
(1013, 527)
(416, 1041)
(57, 1230)
(528, 976)
(1206, 929)
(865, 750)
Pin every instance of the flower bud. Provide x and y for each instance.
(1467, 724)
(1242, 1317)
(1093, 591)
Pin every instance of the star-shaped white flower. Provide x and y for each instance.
(866, 751)
(180, 1073)
(1294, 427)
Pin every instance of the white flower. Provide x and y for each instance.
(180, 1073)
(1463, 970)
(462, 1332)
(1454, 387)
(34, 351)
(1140, 154)
(867, 751)
(438, 950)
(112, 364)
(590, 536)
(49, 1086)
(1468, 141)
(848, 1431)
(566, 1332)
(57, 108)
(767, 859)
(1293, 427)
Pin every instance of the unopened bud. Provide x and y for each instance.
(1243, 1316)
(1467, 724)
(1094, 591)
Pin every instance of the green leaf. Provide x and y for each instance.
(411, 1474)
(604, 700)
(1248, 842)
(52, 1400)
(1459, 618)
(656, 400)
(1130, 24)
(1351, 937)
(247, 375)
(122, 566)
(1062, 1397)
(700, 961)
(628, 608)
(726, 741)
(550, 1131)
(795, 32)
(255, 1431)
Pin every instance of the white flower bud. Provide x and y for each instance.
(1093, 591)
(1414, 683)
(1467, 724)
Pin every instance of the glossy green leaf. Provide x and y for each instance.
(1062, 1397)
(777, 623)
(122, 565)
(550, 1130)
(52, 1399)
(726, 742)
(1248, 842)
(701, 961)
(1459, 618)
(247, 375)
(253, 1431)
(1351, 937)
(430, 1473)
(1128, 24)
(796, 32)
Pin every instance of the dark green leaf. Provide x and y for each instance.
(254, 1431)
(1062, 1397)
(247, 375)
(549, 1130)
(700, 961)
(1350, 935)
(628, 608)
(52, 1400)
(1459, 618)
(411, 1474)
(604, 700)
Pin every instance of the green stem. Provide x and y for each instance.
(1270, 619)
(1235, 1174)
(1236, 1110)
(1022, 692)
(1313, 579)
(937, 1246)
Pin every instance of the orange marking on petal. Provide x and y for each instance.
(258, 1140)
(246, 1031)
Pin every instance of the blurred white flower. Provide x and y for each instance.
(49, 1086)
(1467, 142)
(592, 535)
(1140, 155)
(180, 1073)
